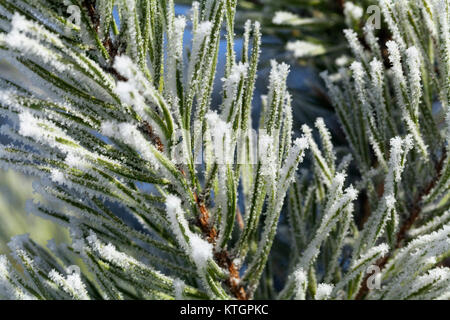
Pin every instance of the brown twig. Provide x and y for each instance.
(147, 129)
(89, 5)
(233, 282)
(112, 47)
(223, 257)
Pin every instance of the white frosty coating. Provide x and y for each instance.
(325, 136)
(175, 215)
(401, 88)
(32, 40)
(301, 282)
(178, 288)
(345, 162)
(202, 34)
(390, 202)
(426, 246)
(34, 127)
(435, 277)
(124, 65)
(72, 284)
(377, 83)
(137, 90)
(355, 45)
(431, 225)
(334, 205)
(277, 90)
(200, 250)
(29, 127)
(43, 130)
(360, 266)
(58, 177)
(221, 135)
(387, 8)
(10, 289)
(337, 184)
(294, 156)
(7, 291)
(358, 72)
(230, 88)
(129, 94)
(128, 264)
(223, 150)
(17, 242)
(209, 9)
(442, 8)
(325, 170)
(108, 251)
(267, 156)
(18, 39)
(277, 96)
(278, 74)
(104, 9)
(372, 40)
(76, 161)
(395, 59)
(399, 149)
(360, 85)
(419, 256)
(194, 14)
(130, 134)
(175, 52)
(323, 291)
(415, 77)
(428, 18)
(303, 49)
(375, 226)
(285, 17)
(134, 38)
(381, 249)
(179, 25)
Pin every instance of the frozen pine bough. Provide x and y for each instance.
(167, 196)
(393, 106)
(112, 121)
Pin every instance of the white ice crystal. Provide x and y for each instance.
(178, 288)
(323, 291)
(201, 251)
(72, 284)
(301, 281)
(131, 135)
